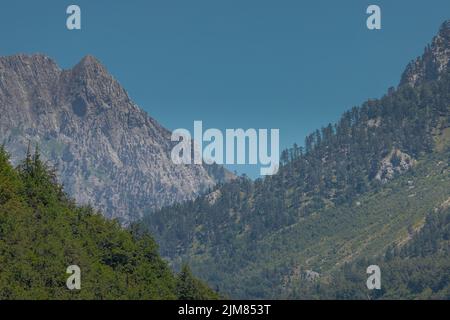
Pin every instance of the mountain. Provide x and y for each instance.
(434, 61)
(417, 269)
(42, 233)
(107, 151)
(355, 189)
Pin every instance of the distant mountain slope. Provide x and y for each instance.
(107, 151)
(434, 61)
(416, 269)
(42, 233)
(342, 196)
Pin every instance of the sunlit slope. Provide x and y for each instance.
(325, 240)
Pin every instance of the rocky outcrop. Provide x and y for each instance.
(396, 162)
(107, 151)
(434, 61)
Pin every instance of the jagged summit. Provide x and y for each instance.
(90, 60)
(22, 58)
(433, 62)
(107, 151)
(91, 67)
(26, 65)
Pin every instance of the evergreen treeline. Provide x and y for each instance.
(418, 270)
(42, 232)
(338, 164)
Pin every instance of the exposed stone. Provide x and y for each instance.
(434, 61)
(107, 151)
(396, 162)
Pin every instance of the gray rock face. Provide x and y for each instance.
(434, 61)
(396, 162)
(106, 150)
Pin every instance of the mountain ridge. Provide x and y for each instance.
(108, 151)
(433, 62)
(255, 239)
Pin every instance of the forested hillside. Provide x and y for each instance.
(42, 232)
(420, 269)
(354, 189)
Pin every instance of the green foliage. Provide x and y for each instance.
(42, 232)
(420, 269)
(325, 207)
(190, 288)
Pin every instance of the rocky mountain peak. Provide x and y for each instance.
(107, 151)
(20, 62)
(433, 62)
(90, 67)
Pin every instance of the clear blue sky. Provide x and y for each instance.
(293, 65)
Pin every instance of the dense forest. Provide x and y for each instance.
(253, 239)
(42, 232)
(418, 270)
